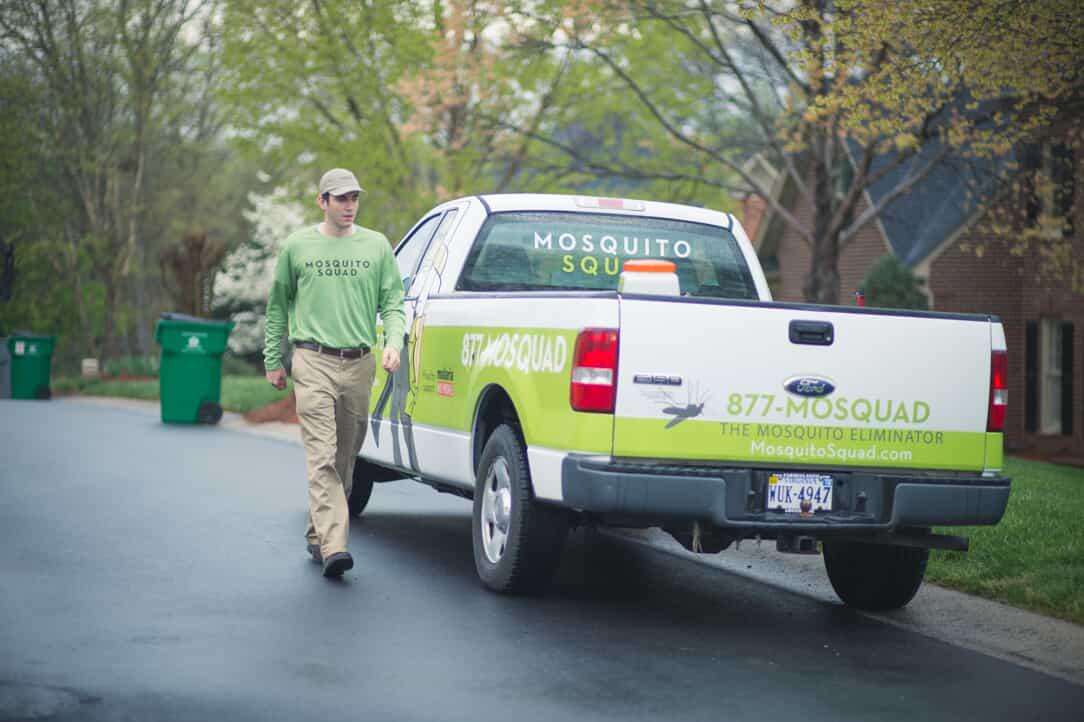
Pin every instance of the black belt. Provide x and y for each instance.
(340, 352)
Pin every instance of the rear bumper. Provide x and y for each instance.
(734, 497)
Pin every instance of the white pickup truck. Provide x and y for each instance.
(577, 360)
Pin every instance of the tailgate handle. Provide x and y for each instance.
(812, 333)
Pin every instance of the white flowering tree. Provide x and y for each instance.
(242, 285)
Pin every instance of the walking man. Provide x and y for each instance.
(330, 282)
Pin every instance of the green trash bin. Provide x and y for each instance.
(190, 372)
(31, 357)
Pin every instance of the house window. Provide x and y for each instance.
(1062, 170)
(1048, 377)
(1051, 374)
(1051, 204)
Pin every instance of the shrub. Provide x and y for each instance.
(891, 284)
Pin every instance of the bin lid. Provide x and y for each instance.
(30, 344)
(191, 334)
(186, 318)
(29, 336)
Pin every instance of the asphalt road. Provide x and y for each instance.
(159, 573)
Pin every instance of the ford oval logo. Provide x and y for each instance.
(809, 386)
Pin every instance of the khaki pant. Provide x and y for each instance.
(333, 411)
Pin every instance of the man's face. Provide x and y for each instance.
(340, 211)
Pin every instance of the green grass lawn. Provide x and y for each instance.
(1034, 558)
(239, 393)
(245, 393)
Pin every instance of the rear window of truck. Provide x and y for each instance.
(532, 251)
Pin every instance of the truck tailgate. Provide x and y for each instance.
(726, 383)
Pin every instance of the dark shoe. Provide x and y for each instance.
(337, 563)
(314, 552)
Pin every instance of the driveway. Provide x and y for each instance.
(159, 573)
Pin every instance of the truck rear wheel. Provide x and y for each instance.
(874, 577)
(517, 541)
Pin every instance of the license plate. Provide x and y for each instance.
(801, 494)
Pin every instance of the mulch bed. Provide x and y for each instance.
(282, 411)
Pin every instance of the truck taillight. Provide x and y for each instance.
(594, 371)
(999, 390)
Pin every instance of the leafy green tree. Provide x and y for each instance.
(33, 209)
(198, 185)
(632, 90)
(313, 86)
(415, 97)
(102, 68)
(1019, 67)
(116, 152)
(891, 284)
(822, 88)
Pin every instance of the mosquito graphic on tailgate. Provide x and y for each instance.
(673, 407)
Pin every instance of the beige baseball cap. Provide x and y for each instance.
(339, 181)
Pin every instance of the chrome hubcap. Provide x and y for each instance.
(496, 510)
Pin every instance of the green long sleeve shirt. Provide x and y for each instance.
(330, 291)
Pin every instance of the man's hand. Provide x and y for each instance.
(277, 378)
(391, 360)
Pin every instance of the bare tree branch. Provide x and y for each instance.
(903, 187)
(384, 104)
(773, 51)
(802, 230)
(592, 166)
(725, 60)
(532, 131)
(337, 62)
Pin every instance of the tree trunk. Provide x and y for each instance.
(136, 243)
(822, 283)
(142, 323)
(90, 343)
(110, 337)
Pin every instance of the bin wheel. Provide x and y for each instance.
(209, 413)
(44, 393)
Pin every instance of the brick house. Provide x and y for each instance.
(936, 230)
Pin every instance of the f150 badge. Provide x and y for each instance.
(808, 386)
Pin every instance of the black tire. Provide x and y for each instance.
(534, 534)
(874, 577)
(209, 413)
(361, 491)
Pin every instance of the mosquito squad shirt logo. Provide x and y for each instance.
(338, 267)
(335, 262)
